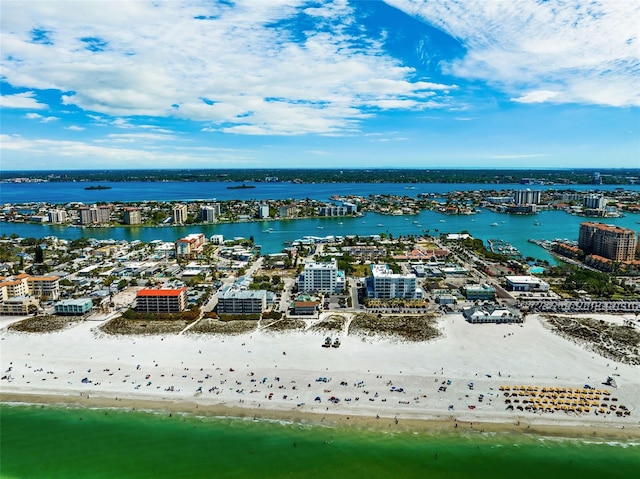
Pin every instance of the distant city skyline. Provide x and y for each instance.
(330, 84)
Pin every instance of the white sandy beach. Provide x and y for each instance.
(265, 372)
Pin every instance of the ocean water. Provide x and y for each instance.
(80, 443)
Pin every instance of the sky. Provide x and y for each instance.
(319, 84)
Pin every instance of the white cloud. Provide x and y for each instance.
(587, 52)
(40, 118)
(25, 100)
(75, 128)
(240, 67)
(75, 154)
(539, 96)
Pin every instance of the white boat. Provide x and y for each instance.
(379, 224)
(494, 224)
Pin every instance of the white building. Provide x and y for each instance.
(526, 197)
(594, 202)
(385, 284)
(57, 216)
(526, 283)
(208, 214)
(234, 300)
(263, 210)
(321, 278)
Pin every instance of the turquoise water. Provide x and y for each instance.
(78, 443)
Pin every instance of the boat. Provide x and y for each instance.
(494, 224)
(97, 187)
(536, 223)
(379, 224)
(320, 227)
(442, 221)
(240, 187)
(340, 222)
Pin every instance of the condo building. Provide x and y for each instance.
(385, 284)
(234, 300)
(179, 214)
(526, 197)
(94, 214)
(609, 241)
(162, 301)
(132, 216)
(208, 214)
(321, 278)
(57, 216)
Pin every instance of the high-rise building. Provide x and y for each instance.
(386, 284)
(321, 278)
(179, 214)
(208, 214)
(609, 241)
(526, 197)
(263, 210)
(57, 216)
(132, 216)
(594, 201)
(94, 214)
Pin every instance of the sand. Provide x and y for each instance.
(266, 375)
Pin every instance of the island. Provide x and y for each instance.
(240, 187)
(98, 187)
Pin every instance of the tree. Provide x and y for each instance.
(39, 255)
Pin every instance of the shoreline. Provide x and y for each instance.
(430, 426)
(459, 378)
(356, 420)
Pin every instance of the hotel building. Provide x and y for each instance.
(190, 246)
(609, 241)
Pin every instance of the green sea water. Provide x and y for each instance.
(79, 443)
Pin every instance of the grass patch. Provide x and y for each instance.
(125, 326)
(285, 325)
(620, 343)
(404, 328)
(44, 324)
(215, 326)
(333, 323)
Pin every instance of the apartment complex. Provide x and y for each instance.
(385, 284)
(233, 300)
(132, 216)
(47, 287)
(208, 214)
(609, 241)
(57, 216)
(527, 197)
(162, 301)
(179, 213)
(321, 278)
(90, 215)
(288, 211)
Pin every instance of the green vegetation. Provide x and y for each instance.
(403, 328)
(620, 343)
(44, 324)
(585, 176)
(594, 283)
(214, 326)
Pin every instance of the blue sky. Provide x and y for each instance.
(296, 83)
